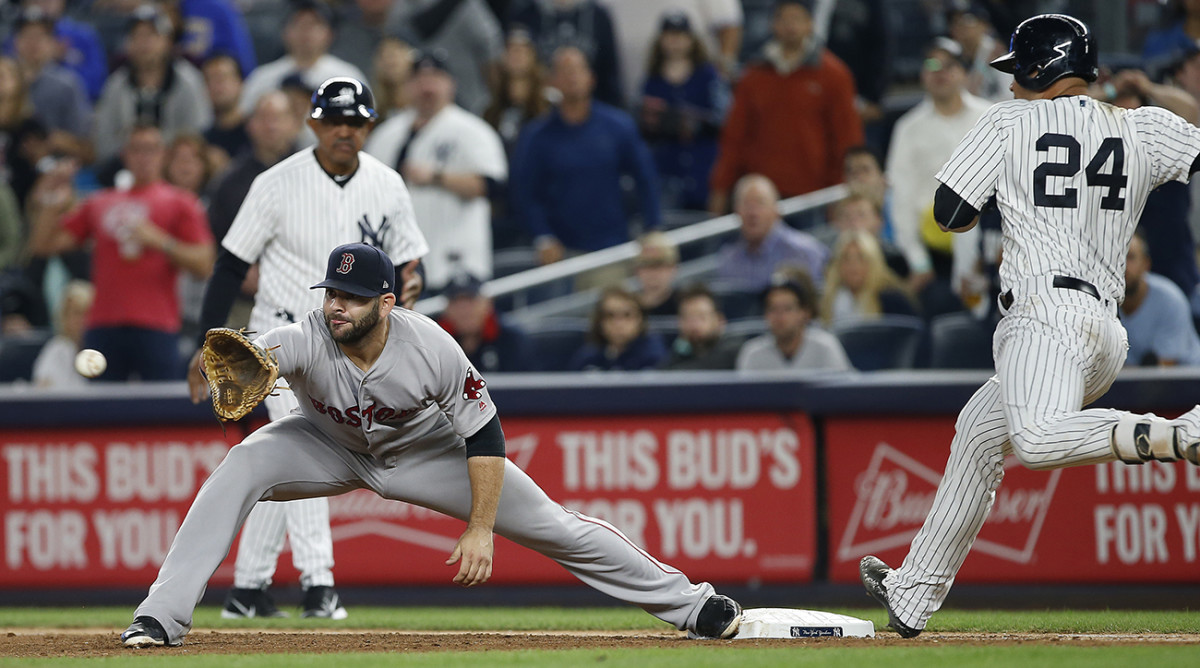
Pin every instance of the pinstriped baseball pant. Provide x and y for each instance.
(306, 522)
(289, 458)
(1056, 351)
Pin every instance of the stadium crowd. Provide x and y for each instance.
(530, 131)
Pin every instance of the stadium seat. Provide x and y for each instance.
(888, 343)
(555, 341)
(18, 353)
(960, 341)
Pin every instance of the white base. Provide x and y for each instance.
(791, 623)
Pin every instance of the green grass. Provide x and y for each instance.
(691, 657)
(688, 655)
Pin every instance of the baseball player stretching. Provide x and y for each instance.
(1070, 175)
(388, 402)
(293, 214)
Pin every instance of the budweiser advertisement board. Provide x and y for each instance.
(1108, 523)
(99, 507)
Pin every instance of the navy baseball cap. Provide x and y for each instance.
(675, 20)
(359, 269)
(434, 59)
(463, 285)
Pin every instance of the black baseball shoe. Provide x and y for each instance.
(872, 571)
(321, 601)
(250, 603)
(146, 632)
(719, 617)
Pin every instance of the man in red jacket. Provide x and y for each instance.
(793, 114)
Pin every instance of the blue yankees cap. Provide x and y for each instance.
(359, 269)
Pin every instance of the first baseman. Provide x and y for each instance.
(389, 402)
(293, 214)
(1070, 175)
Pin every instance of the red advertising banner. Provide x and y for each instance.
(99, 507)
(1092, 524)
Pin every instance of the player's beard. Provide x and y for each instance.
(358, 328)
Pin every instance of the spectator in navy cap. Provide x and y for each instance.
(59, 98)
(307, 36)
(153, 87)
(79, 46)
(491, 343)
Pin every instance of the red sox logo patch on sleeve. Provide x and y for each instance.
(472, 388)
(347, 263)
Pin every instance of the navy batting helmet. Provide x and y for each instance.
(1047, 48)
(343, 96)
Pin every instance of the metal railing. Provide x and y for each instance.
(706, 229)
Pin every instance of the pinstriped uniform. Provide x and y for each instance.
(1071, 176)
(293, 215)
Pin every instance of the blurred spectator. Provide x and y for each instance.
(306, 37)
(793, 342)
(970, 25)
(568, 168)
(1180, 32)
(582, 24)
(859, 285)
(55, 364)
(392, 68)
(23, 137)
(793, 116)
(452, 162)
(143, 236)
(863, 174)
(187, 164)
(701, 343)
(518, 84)
(717, 24)
(299, 95)
(152, 87)
(766, 243)
(518, 89)
(491, 343)
(59, 99)
(360, 32)
(859, 33)
(212, 27)
(655, 267)
(79, 46)
(1156, 315)
(12, 228)
(858, 213)
(922, 141)
(223, 81)
(618, 339)
(465, 30)
(680, 113)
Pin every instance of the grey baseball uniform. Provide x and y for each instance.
(1071, 176)
(292, 215)
(397, 429)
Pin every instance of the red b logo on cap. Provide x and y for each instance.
(347, 263)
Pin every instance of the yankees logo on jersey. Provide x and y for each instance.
(294, 213)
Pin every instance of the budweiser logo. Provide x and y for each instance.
(896, 492)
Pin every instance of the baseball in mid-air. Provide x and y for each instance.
(90, 363)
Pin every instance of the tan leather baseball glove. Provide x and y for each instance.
(239, 374)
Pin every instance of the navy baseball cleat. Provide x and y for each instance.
(321, 601)
(719, 617)
(872, 571)
(147, 632)
(249, 603)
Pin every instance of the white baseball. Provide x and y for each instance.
(90, 363)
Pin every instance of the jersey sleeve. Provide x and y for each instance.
(256, 222)
(1171, 142)
(460, 391)
(974, 168)
(289, 346)
(407, 242)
